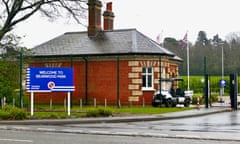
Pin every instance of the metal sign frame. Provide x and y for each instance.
(49, 79)
(42, 79)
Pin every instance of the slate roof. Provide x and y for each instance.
(116, 42)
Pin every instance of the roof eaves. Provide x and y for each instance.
(177, 58)
(105, 54)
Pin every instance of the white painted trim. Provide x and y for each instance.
(148, 89)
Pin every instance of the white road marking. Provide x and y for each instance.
(155, 134)
(3, 127)
(16, 140)
(46, 129)
(72, 130)
(99, 132)
(125, 133)
(188, 136)
(21, 128)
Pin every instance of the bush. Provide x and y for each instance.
(214, 97)
(13, 113)
(99, 113)
(18, 114)
(4, 115)
(194, 100)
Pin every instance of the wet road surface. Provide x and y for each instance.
(223, 126)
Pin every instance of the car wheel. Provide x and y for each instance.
(154, 104)
(169, 103)
(187, 103)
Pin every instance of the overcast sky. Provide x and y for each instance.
(170, 18)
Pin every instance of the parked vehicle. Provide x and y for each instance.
(171, 94)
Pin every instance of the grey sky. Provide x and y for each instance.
(171, 18)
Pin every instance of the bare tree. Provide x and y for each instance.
(233, 38)
(13, 12)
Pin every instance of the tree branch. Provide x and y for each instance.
(6, 5)
(69, 10)
(17, 11)
(12, 13)
(25, 16)
(41, 2)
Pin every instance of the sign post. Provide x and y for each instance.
(222, 85)
(50, 80)
(69, 103)
(32, 103)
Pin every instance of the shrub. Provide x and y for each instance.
(10, 112)
(214, 97)
(4, 115)
(18, 114)
(194, 99)
(99, 113)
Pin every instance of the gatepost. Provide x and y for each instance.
(206, 90)
(233, 91)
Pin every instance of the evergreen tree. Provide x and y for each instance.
(202, 38)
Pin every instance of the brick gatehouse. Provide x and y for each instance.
(119, 66)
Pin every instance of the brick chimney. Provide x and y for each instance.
(108, 17)
(94, 17)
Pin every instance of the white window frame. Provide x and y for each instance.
(147, 74)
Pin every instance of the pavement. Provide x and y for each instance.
(42, 125)
(154, 117)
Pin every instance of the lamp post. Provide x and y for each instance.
(222, 87)
(20, 79)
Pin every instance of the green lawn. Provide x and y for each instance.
(76, 112)
(114, 109)
(147, 110)
(59, 112)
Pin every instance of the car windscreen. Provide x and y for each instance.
(166, 85)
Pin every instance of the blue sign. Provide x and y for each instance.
(49, 79)
(223, 83)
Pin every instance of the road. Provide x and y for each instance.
(28, 137)
(216, 128)
(223, 126)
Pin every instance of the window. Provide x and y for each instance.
(147, 78)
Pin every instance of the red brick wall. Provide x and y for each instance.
(102, 81)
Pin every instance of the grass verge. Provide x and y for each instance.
(104, 112)
(12, 113)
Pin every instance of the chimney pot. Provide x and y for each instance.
(108, 17)
(109, 6)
